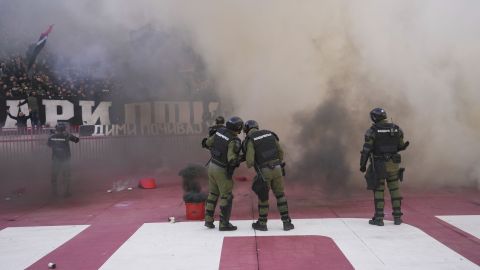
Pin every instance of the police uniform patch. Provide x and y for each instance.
(262, 136)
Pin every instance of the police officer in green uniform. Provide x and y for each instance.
(263, 152)
(219, 123)
(59, 142)
(383, 141)
(224, 148)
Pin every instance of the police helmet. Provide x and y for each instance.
(249, 125)
(60, 127)
(219, 120)
(235, 124)
(378, 114)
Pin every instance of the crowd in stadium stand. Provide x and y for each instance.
(18, 83)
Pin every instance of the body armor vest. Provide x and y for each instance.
(387, 138)
(265, 145)
(219, 148)
(60, 146)
(213, 129)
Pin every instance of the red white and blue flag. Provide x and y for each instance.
(36, 47)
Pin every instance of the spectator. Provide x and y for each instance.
(71, 83)
(21, 119)
(33, 107)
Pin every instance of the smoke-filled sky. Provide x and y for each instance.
(310, 70)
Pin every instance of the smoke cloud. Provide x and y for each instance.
(309, 70)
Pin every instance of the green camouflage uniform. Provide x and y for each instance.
(220, 184)
(386, 165)
(273, 176)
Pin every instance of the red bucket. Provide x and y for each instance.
(195, 211)
(147, 183)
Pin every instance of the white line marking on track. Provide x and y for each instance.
(466, 223)
(20, 247)
(190, 245)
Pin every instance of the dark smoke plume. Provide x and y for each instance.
(192, 177)
(325, 137)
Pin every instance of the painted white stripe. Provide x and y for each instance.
(263, 136)
(466, 223)
(222, 136)
(20, 247)
(189, 245)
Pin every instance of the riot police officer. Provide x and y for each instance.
(59, 142)
(383, 141)
(224, 146)
(263, 152)
(219, 123)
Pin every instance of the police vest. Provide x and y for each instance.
(60, 146)
(213, 129)
(219, 149)
(265, 144)
(387, 138)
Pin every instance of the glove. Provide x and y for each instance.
(405, 145)
(363, 169)
(204, 143)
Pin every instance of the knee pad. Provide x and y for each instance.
(279, 195)
(228, 197)
(213, 195)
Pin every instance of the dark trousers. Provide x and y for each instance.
(61, 168)
(35, 119)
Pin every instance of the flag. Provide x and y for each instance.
(35, 48)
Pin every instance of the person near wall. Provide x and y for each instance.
(21, 119)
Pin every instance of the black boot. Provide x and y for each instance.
(259, 226)
(227, 227)
(288, 225)
(376, 221)
(209, 225)
(210, 213)
(225, 212)
(397, 220)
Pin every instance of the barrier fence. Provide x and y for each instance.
(18, 145)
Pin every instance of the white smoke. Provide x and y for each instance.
(274, 60)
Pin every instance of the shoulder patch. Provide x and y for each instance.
(276, 136)
(400, 131)
(370, 133)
